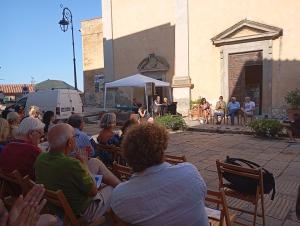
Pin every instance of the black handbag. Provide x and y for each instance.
(249, 185)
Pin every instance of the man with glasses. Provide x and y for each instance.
(57, 170)
(20, 154)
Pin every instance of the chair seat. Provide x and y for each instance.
(240, 195)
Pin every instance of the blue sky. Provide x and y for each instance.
(32, 43)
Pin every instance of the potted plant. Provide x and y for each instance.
(293, 99)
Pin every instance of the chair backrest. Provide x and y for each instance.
(218, 199)
(254, 174)
(116, 221)
(114, 150)
(57, 199)
(173, 159)
(9, 184)
(122, 172)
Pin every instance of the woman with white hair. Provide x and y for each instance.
(20, 154)
(13, 119)
(107, 136)
(34, 112)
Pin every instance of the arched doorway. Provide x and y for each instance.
(155, 67)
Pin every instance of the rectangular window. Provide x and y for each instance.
(98, 82)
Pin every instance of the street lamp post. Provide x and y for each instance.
(64, 23)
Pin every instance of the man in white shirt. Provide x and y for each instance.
(248, 109)
(158, 193)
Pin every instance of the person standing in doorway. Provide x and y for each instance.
(157, 106)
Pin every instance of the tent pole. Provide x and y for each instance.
(170, 94)
(146, 96)
(131, 96)
(104, 97)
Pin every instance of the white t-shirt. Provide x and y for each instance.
(249, 106)
(165, 194)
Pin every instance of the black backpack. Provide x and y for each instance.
(248, 185)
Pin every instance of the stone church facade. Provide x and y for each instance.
(203, 48)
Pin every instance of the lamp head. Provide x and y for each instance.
(64, 24)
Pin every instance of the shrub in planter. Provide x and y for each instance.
(195, 102)
(293, 98)
(174, 122)
(266, 127)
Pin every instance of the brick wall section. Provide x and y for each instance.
(236, 74)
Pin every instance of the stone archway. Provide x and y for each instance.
(240, 41)
(155, 67)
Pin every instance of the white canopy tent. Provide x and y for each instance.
(137, 80)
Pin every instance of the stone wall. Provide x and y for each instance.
(92, 51)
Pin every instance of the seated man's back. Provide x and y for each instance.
(57, 171)
(162, 195)
(19, 155)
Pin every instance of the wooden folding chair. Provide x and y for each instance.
(58, 199)
(254, 174)
(122, 172)
(173, 159)
(10, 188)
(116, 221)
(220, 213)
(113, 150)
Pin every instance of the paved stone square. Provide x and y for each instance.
(276, 155)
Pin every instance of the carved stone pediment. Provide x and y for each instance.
(246, 31)
(153, 63)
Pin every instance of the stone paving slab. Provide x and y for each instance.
(278, 156)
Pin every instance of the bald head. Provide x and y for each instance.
(59, 136)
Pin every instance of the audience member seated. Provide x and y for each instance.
(4, 133)
(293, 129)
(48, 120)
(205, 108)
(107, 136)
(56, 170)
(26, 211)
(129, 123)
(13, 119)
(20, 110)
(233, 108)
(34, 112)
(143, 115)
(20, 154)
(158, 193)
(82, 139)
(220, 110)
(248, 109)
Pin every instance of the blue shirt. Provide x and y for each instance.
(233, 106)
(83, 141)
(165, 194)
